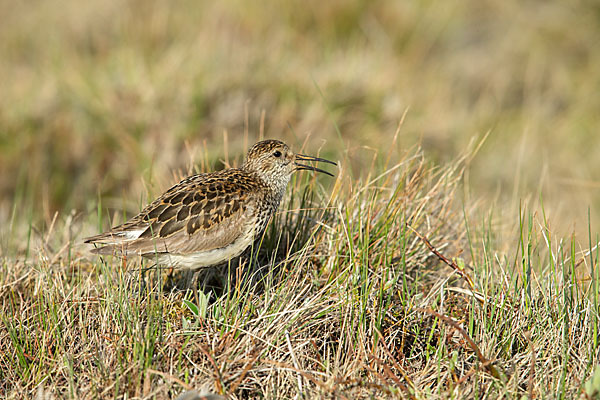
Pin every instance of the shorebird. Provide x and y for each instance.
(208, 219)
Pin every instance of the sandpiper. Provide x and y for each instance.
(208, 219)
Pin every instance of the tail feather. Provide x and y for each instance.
(113, 237)
(112, 243)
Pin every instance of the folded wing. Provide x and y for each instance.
(199, 214)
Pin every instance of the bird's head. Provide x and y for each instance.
(274, 162)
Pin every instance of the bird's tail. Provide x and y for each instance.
(111, 243)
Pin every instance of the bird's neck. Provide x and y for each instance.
(273, 188)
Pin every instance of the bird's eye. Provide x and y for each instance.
(277, 154)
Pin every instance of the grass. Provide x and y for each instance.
(345, 300)
(449, 269)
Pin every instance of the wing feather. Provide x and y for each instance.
(201, 213)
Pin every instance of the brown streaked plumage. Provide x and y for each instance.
(207, 219)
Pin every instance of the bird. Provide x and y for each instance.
(210, 218)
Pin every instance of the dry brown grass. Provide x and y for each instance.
(96, 94)
(322, 322)
(104, 104)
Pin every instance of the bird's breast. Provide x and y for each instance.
(266, 210)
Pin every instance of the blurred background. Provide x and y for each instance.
(112, 100)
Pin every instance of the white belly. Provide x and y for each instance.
(205, 258)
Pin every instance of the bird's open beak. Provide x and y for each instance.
(302, 157)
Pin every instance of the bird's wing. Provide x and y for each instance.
(201, 213)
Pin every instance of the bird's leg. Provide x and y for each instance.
(142, 279)
(185, 281)
(194, 281)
